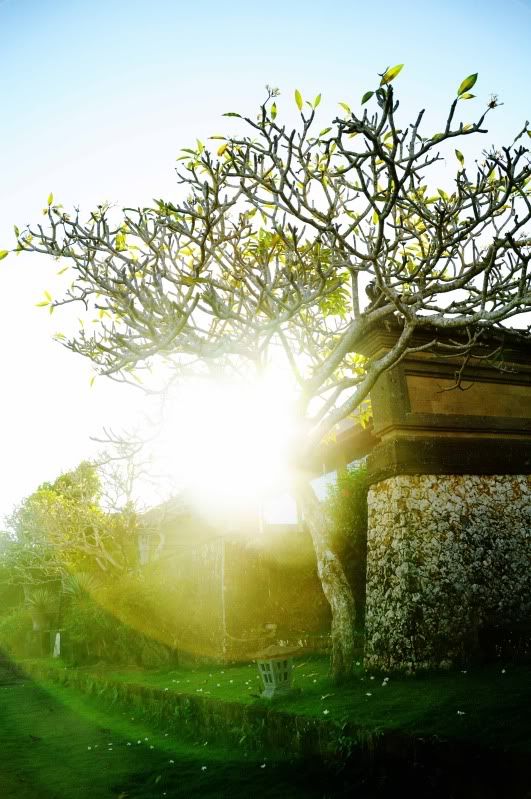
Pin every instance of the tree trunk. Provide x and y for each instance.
(334, 582)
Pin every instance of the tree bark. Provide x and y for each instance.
(336, 587)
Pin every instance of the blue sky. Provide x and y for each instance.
(98, 97)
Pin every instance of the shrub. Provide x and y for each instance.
(15, 631)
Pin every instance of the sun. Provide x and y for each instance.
(226, 443)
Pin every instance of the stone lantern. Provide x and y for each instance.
(275, 665)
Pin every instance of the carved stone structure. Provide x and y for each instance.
(449, 530)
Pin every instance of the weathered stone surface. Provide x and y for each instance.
(448, 557)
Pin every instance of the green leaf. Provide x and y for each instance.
(527, 131)
(232, 114)
(298, 99)
(467, 96)
(3, 254)
(345, 107)
(467, 84)
(390, 74)
(460, 157)
(367, 96)
(324, 131)
(50, 198)
(222, 148)
(274, 111)
(17, 231)
(317, 101)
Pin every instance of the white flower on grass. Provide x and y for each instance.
(171, 762)
(503, 671)
(89, 747)
(151, 747)
(203, 768)
(460, 712)
(231, 680)
(326, 712)
(263, 765)
(368, 693)
(128, 743)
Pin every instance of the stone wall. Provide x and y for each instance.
(449, 558)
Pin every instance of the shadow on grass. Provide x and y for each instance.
(58, 743)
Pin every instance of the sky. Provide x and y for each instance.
(98, 97)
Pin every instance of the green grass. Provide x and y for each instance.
(488, 706)
(60, 744)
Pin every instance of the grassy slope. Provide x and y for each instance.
(56, 744)
(488, 706)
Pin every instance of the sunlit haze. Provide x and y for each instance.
(226, 444)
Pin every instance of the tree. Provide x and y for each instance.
(61, 528)
(269, 251)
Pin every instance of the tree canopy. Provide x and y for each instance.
(62, 528)
(279, 234)
(291, 242)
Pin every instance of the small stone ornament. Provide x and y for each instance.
(275, 666)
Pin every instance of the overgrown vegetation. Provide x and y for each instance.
(347, 506)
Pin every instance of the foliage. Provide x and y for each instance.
(14, 630)
(116, 621)
(268, 250)
(347, 505)
(61, 527)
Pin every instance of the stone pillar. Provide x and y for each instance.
(449, 526)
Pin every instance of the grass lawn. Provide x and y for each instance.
(59, 744)
(488, 705)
